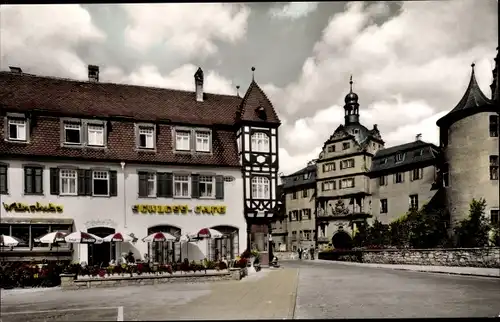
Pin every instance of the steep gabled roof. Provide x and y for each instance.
(24, 92)
(298, 179)
(256, 106)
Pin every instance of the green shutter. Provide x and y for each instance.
(143, 184)
(169, 186)
(28, 180)
(195, 186)
(219, 187)
(113, 183)
(88, 182)
(54, 181)
(81, 182)
(3, 180)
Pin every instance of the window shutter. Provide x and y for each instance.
(421, 173)
(353, 163)
(169, 186)
(3, 179)
(113, 183)
(81, 182)
(161, 180)
(88, 182)
(324, 167)
(412, 175)
(402, 177)
(219, 187)
(341, 166)
(54, 181)
(143, 184)
(27, 178)
(195, 186)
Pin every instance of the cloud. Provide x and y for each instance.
(33, 39)
(190, 29)
(181, 78)
(293, 10)
(409, 69)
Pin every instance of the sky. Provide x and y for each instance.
(410, 61)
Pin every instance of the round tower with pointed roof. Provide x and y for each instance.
(470, 149)
(351, 107)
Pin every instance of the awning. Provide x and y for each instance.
(36, 221)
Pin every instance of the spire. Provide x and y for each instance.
(351, 106)
(253, 74)
(238, 90)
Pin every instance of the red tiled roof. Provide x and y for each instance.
(25, 93)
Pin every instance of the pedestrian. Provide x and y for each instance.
(312, 252)
(299, 251)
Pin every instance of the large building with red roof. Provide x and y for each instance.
(104, 158)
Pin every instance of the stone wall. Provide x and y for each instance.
(70, 282)
(467, 257)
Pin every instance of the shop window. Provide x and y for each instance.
(23, 233)
(33, 180)
(5, 229)
(38, 231)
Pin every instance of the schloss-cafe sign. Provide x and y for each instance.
(179, 209)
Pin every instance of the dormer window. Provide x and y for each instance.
(400, 157)
(331, 148)
(383, 161)
(419, 153)
(355, 131)
(72, 133)
(145, 136)
(95, 134)
(203, 141)
(182, 140)
(346, 146)
(260, 142)
(17, 129)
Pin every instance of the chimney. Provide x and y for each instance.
(198, 82)
(16, 70)
(375, 127)
(93, 73)
(418, 137)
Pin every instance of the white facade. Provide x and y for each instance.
(117, 212)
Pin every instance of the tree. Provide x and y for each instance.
(378, 234)
(473, 231)
(360, 237)
(399, 231)
(428, 227)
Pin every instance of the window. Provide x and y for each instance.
(446, 175)
(347, 183)
(182, 139)
(383, 161)
(307, 176)
(330, 185)
(307, 214)
(400, 157)
(33, 180)
(181, 186)
(383, 206)
(260, 188)
(382, 181)
(146, 137)
(147, 184)
(418, 153)
(17, 129)
(494, 126)
(329, 167)
(413, 202)
(307, 234)
(72, 133)
(399, 177)
(304, 193)
(494, 167)
(203, 141)
(495, 217)
(151, 184)
(417, 174)
(294, 195)
(3, 179)
(68, 182)
(100, 183)
(95, 134)
(346, 146)
(331, 148)
(260, 142)
(207, 186)
(345, 164)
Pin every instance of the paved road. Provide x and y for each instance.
(306, 289)
(329, 290)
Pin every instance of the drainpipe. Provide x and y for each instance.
(124, 196)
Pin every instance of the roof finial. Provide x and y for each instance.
(238, 90)
(350, 82)
(472, 65)
(253, 73)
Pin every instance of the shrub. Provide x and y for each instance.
(241, 263)
(222, 265)
(473, 231)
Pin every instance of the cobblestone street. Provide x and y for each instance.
(307, 289)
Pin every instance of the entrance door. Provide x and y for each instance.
(101, 254)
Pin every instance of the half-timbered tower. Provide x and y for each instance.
(257, 135)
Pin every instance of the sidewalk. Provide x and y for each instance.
(471, 271)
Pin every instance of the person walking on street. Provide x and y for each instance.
(312, 252)
(299, 251)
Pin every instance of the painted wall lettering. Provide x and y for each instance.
(178, 209)
(38, 207)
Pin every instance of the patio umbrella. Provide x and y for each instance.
(9, 241)
(209, 233)
(52, 238)
(186, 238)
(80, 237)
(118, 237)
(159, 237)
